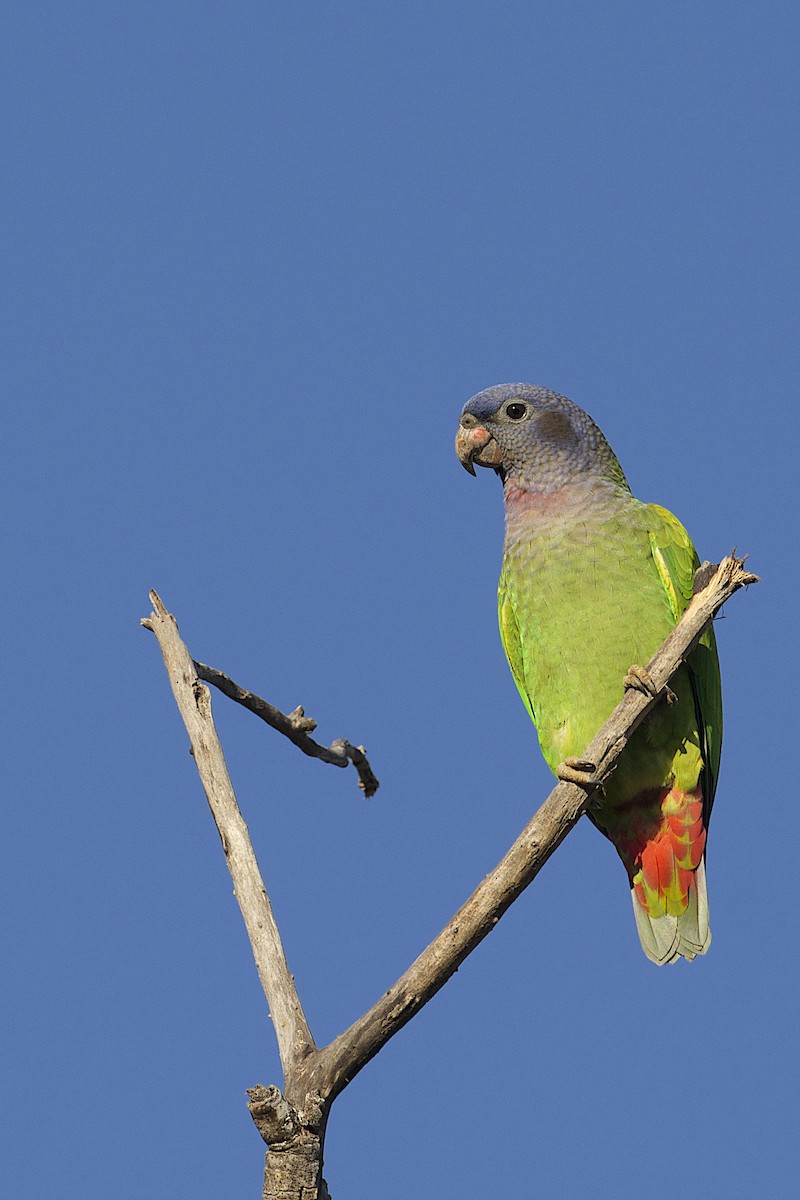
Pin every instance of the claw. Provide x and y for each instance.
(597, 801)
(640, 680)
(576, 770)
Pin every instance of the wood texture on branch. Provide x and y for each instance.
(194, 703)
(296, 726)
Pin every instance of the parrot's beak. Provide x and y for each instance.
(474, 444)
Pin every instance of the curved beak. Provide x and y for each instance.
(474, 444)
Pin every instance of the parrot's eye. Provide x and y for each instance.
(516, 411)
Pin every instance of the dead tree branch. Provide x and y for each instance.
(296, 726)
(331, 1069)
(314, 1077)
(194, 703)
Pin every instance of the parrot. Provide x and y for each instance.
(592, 582)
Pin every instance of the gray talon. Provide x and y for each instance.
(640, 680)
(576, 770)
(598, 801)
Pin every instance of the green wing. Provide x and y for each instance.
(512, 643)
(677, 561)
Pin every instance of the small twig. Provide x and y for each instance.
(296, 726)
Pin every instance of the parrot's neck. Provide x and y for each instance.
(591, 498)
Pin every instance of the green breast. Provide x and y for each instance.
(580, 600)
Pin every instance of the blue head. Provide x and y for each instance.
(537, 439)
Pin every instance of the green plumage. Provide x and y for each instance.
(592, 582)
(581, 602)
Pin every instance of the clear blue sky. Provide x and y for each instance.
(257, 256)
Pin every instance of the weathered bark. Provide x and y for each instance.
(294, 1172)
(293, 1124)
(293, 1169)
(194, 703)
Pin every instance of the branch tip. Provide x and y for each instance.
(157, 603)
(159, 612)
(295, 726)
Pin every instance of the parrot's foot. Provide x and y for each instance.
(640, 680)
(576, 770)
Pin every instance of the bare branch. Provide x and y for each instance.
(330, 1070)
(194, 702)
(313, 1078)
(296, 726)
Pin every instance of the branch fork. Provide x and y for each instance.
(293, 1122)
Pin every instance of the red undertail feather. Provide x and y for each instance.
(663, 852)
(667, 862)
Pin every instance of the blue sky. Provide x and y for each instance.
(257, 256)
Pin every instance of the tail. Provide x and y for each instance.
(667, 938)
(660, 836)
